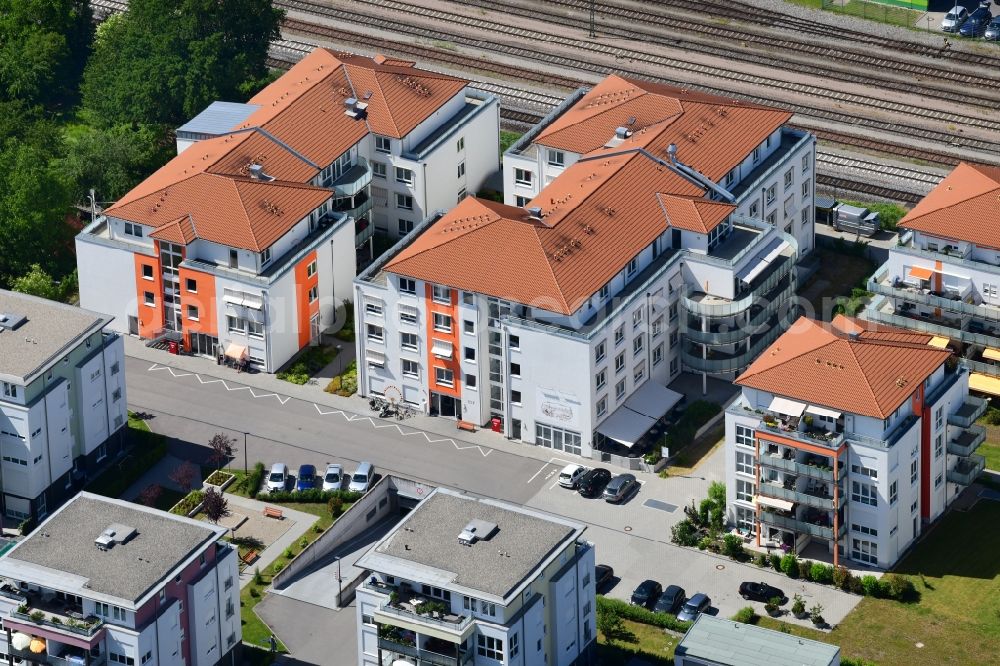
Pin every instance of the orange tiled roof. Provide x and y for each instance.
(595, 217)
(818, 363)
(870, 330)
(962, 207)
(694, 214)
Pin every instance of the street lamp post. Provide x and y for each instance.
(340, 361)
(246, 467)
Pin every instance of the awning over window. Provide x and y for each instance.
(758, 264)
(625, 426)
(992, 354)
(921, 273)
(442, 349)
(984, 383)
(375, 358)
(653, 400)
(823, 411)
(774, 503)
(235, 351)
(786, 406)
(939, 342)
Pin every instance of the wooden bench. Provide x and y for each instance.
(272, 512)
(250, 557)
(467, 426)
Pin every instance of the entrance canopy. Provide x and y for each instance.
(786, 406)
(653, 400)
(774, 502)
(625, 426)
(235, 351)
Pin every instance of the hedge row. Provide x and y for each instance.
(253, 481)
(639, 614)
(312, 496)
(891, 586)
(147, 449)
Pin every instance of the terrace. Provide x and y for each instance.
(414, 609)
(46, 610)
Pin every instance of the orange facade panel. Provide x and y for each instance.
(148, 294)
(443, 338)
(198, 291)
(306, 296)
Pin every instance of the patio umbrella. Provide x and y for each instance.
(37, 645)
(20, 641)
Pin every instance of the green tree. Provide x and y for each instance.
(113, 160)
(39, 283)
(148, 70)
(44, 45)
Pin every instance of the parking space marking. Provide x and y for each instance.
(540, 470)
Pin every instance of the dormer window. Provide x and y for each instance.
(556, 158)
(383, 144)
(265, 257)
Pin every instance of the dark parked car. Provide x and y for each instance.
(670, 600)
(306, 478)
(696, 605)
(603, 574)
(976, 24)
(646, 594)
(620, 488)
(992, 33)
(592, 483)
(761, 592)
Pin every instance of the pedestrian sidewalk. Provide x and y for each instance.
(301, 523)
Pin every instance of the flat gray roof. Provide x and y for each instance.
(61, 552)
(218, 118)
(51, 330)
(736, 644)
(428, 537)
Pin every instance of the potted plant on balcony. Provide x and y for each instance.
(799, 607)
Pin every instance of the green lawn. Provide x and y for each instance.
(138, 424)
(507, 140)
(990, 449)
(651, 644)
(838, 274)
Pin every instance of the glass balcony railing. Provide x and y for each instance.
(967, 441)
(818, 501)
(424, 656)
(880, 283)
(363, 230)
(353, 180)
(87, 627)
(801, 469)
(969, 412)
(967, 470)
(710, 307)
(65, 659)
(795, 525)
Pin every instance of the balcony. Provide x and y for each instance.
(363, 230)
(802, 469)
(967, 470)
(817, 437)
(67, 657)
(964, 329)
(817, 499)
(796, 525)
(960, 302)
(456, 657)
(352, 181)
(967, 441)
(699, 303)
(969, 412)
(51, 613)
(357, 206)
(409, 607)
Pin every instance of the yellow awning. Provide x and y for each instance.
(921, 273)
(992, 354)
(774, 502)
(984, 383)
(939, 342)
(235, 351)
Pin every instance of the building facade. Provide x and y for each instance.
(848, 439)
(62, 404)
(246, 243)
(106, 581)
(943, 277)
(474, 581)
(561, 322)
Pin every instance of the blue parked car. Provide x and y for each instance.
(306, 479)
(977, 23)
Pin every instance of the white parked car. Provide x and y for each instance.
(571, 475)
(333, 479)
(277, 480)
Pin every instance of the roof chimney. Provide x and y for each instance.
(355, 109)
(623, 133)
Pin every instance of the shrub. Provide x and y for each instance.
(840, 577)
(760, 560)
(821, 573)
(992, 416)
(258, 579)
(146, 449)
(772, 605)
(335, 506)
(317, 528)
(314, 496)
(775, 561)
(705, 511)
(255, 479)
(816, 614)
(856, 586)
(652, 457)
(704, 542)
(26, 526)
(37, 616)
(732, 546)
(215, 505)
(289, 554)
(278, 566)
(798, 606)
(188, 504)
(640, 614)
(610, 625)
(805, 569)
(871, 586)
(898, 587)
(254, 592)
(746, 615)
(790, 565)
(303, 542)
(55, 619)
(684, 533)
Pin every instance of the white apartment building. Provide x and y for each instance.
(462, 580)
(848, 440)
(62, 403)
(247, 242)
(105, 581)
(943, 277)
(561, 323)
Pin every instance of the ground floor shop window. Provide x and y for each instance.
(558, 439)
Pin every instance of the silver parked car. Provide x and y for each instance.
(334, 478)
(620, 488)
(954, 19)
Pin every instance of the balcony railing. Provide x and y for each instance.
(906, 247)
(353, 180)
(777, 462)
(87, 627)
(967, 441)
(969, 412)
(820, 437)
(423, 656)
(363, 233)
(727, 363)
(799, 525)
(875, 313)
(890, 440)
(771, 490)
(458, 624)
(728, 308)
(967, 470)
(52, 660)
(877, 285)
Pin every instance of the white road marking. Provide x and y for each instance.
(540, 470)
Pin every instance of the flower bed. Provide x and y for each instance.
(220, 479)
(190, 505)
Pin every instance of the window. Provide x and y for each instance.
(461, 169)
(115, 369)
(521, 202)
(255, 329)
(489, 647)
(375, 333)
(378, 169)
(460, 145)
(600, 352)
(373, 308)
(731, 177)
(404, 201)
(913, 472)
(602, 406)
(408, 341)
(522, 177)
(789, 176)
(265, 256)
(192, 285)
(149, 655)
(515, 342)
(468, 326)
(913, 507)
(442, 322)
(754, 210)
(804, 216)
(864, 471)
(557, 438)
(383, 144)
(513, 646)
(234, 259)
(10, 390)
(620, 335)
(620, 362)
(469, 354)
(656, 326)
(658, 354)
(556, 158)
(148, 298)
(515, 397)
(444, 376)
(407, 286)
(864, 551)
(605, 290)
(937, 481)
(805, 163)
(744, 436)
(313, 294)
(864, 493)
(620, 390)
(600, 379)
(236, 324)
(639, 372)
(192, 312)
(411, 369)
(311, 269)
(404, 176)
(939, 445)
(769, 195)
(515, 369)
(404, 226)
(672, 312)
(147, 272)
(674, 366)
(673, 339)
(744, 463)
(133, 230)
(633, 266)
(468, 298)
(407, 315)
(756, 155)
(893, 494)
(470, 381)
(441, 294)
(744, 490)
(938, 418)
(637, 344)
(636, 318)
(805, 189)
